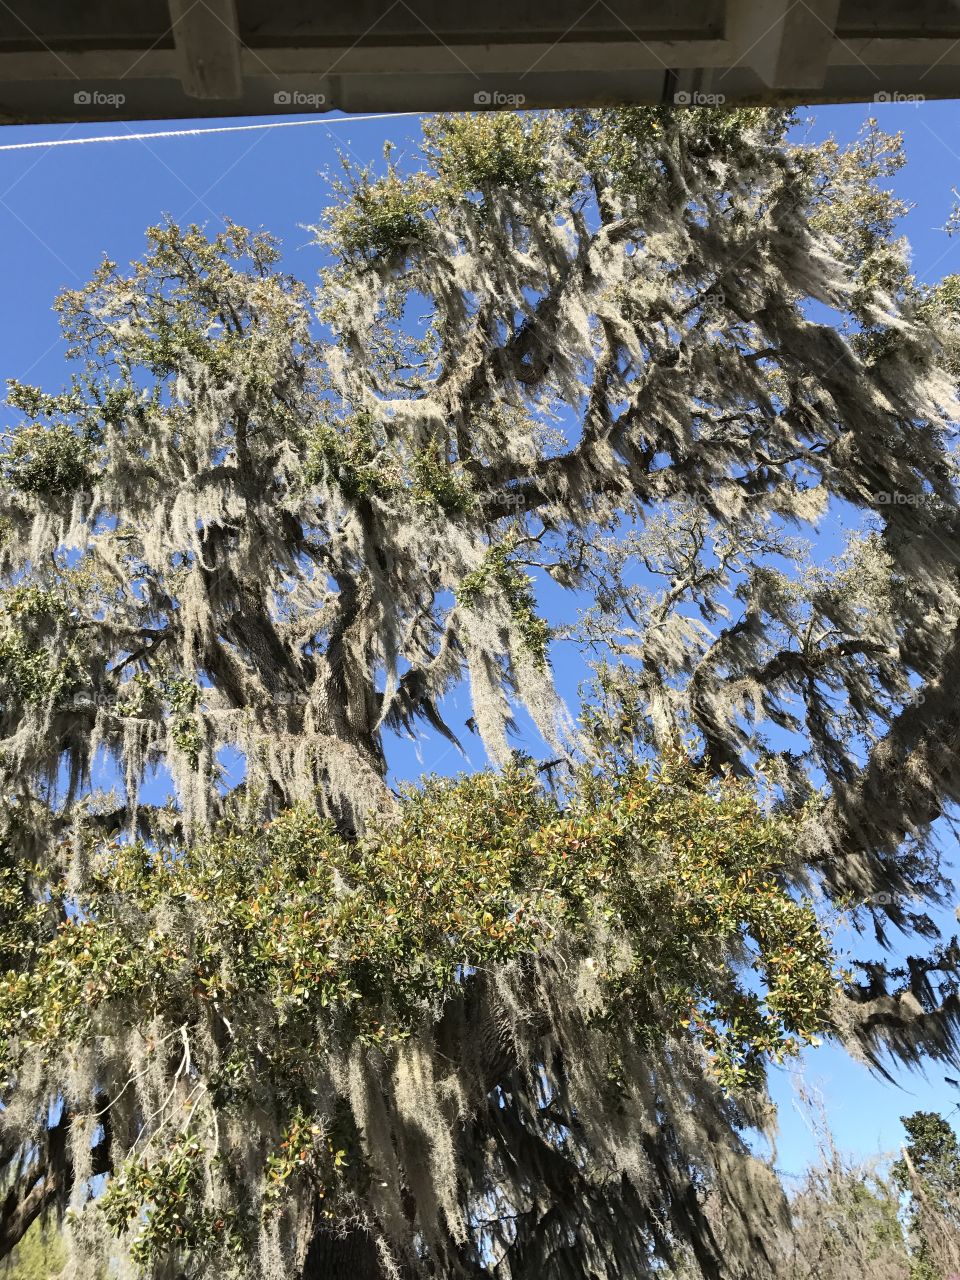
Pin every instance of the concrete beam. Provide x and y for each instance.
(207, 39)
(786, 42)
(110, 67)
(151, 74)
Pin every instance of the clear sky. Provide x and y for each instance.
(63, 208)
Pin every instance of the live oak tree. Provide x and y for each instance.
(928, 1171)
(289, 1020)
(844, 1215)
(39, 1255)
(845, 1223)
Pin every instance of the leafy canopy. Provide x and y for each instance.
(286, 1021)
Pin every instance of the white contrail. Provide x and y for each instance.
(192, 133)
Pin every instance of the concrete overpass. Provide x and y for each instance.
(87, 60)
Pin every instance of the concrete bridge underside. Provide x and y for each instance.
(61, 60)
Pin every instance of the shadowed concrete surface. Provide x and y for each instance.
(153, 59)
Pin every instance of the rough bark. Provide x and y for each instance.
(350, 1257)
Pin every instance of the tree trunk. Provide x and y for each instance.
(351, 1257)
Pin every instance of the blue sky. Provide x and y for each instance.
(62, 208)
